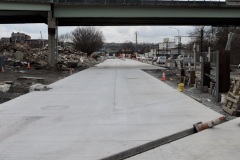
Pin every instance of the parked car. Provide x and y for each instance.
(155, 59)
(139, 58)
(161, 59)
(149, 58)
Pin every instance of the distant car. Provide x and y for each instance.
(139, 58)
(162, 59)
(149, 58)
(155, 59)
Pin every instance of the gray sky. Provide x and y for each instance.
(118, 34)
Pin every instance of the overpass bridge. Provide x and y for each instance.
(116, 13)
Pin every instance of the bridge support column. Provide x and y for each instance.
(52, 40)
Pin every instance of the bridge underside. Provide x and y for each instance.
(54, 14)
(38, 18)
(13, 16)
(119, 15)
(146, 21)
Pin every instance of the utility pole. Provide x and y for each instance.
(202, 60)
(136, 40)
(179, 44)
(179, 40)
(41, 40)
(201, 43)
(194, 53)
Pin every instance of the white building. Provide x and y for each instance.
(152, 53)
(168, 48)
(167, 45)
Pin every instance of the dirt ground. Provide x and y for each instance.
(20, 84)
(204, 98)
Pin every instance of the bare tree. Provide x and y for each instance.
(127, 47)
(143, 48)
(216, 38)
(207, 39)
(87, 39)
(64, 38)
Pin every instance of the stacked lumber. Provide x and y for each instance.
(232, 105)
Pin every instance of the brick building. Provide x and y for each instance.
(19, 37)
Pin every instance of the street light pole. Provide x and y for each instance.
(179, 40)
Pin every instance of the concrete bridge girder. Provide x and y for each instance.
(21, 6)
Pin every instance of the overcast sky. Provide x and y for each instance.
(118, 34)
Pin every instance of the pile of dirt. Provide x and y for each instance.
(19, 55)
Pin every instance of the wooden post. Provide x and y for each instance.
(223, 73)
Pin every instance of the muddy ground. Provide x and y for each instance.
(20, 84)
(206, 99)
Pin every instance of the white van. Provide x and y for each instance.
(162, 59)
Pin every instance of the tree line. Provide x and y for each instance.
(216, 38)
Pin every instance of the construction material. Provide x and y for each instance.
(4, 87)
(222, 73)
(28, 66)
(202, 126)
(38, 87)
(181, 87)
(232, 105)
(39, 79)
(192, 78)
(3, 70)
(212, 88)
(182, 76)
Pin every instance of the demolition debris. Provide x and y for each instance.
(19, 55)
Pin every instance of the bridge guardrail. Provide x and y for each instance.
(118, 2)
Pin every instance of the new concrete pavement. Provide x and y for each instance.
(96, 113)
(219, 143)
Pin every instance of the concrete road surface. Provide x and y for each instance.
(219, 143)
(95, 113)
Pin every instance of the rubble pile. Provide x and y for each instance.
(14, 47)
(67, 57)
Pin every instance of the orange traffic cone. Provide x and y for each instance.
(28, 66)
(3, 70)
(163, 77)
